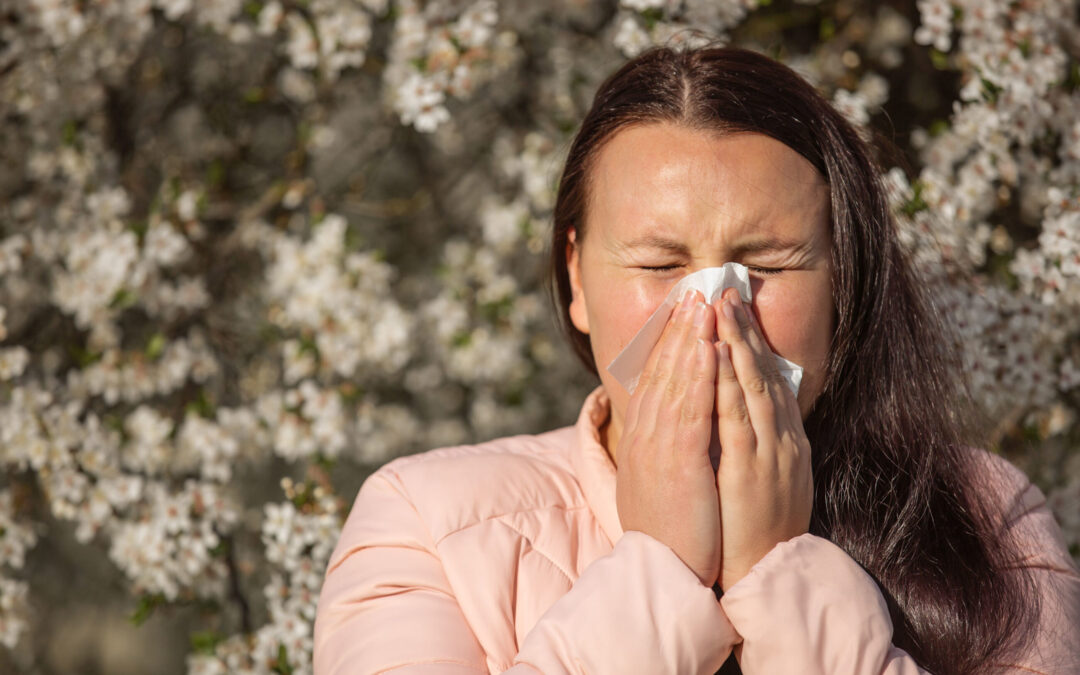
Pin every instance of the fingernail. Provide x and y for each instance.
(728, 310)
(699, 314)
(687, 298)
(722, 351)
(736, 299)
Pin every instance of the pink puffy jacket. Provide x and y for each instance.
(508, 556)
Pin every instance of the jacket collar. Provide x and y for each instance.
(593, 466)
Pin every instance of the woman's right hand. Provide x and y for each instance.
(665, 482)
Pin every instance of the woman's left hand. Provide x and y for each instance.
(764, 478)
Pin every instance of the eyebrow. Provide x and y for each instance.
(763, 245)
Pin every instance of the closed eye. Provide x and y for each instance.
(756, 270)
(765, 270)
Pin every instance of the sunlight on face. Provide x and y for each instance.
(666, 201)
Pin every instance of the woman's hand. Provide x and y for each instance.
(665, 485)
(764, 478)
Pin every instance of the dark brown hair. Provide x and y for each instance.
(893, 472)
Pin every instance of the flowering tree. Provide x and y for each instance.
(249, 251)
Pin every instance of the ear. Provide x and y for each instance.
(579, 314)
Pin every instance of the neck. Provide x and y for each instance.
(610, 433)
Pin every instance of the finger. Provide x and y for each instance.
(733, 326)
(783, 397)
(648, 372)
(736, 435)
(696, 410)
(658, 381)
(680, 367)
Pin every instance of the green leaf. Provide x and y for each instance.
(1072, 80)
(205, 641)
(69, 132)
(1030, 433)
(146, 606)
(938, 127)
(652, 16)
(916, 203)
(215, 174)
(282, 666)
(122, 299)
(990, 90)
(155, 347)
(566, 126)
(201, 406)
(305, 494)
(939, 59)
(525, 225)
(998, 266)
(493, 311)
(83, 357)
(826, 29)
(219, 551)
(308, 346)
(114, 422)
(139, 227)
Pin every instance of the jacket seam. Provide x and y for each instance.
(442, 567)
(400, 490)
(420, 518)
(504, 514)
(537, 549)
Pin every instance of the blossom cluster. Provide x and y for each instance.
(279, 243)
(298, 543)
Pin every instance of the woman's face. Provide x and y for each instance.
(666, 201)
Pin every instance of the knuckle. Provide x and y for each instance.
(758, 384)
(727, 374)
(743, 320)
(653, 377)
(675, 387)
(700, 375)
(737, 412)
(773, 375)
(692, 414)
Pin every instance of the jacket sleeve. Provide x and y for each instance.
(808, 607)
(386, 605)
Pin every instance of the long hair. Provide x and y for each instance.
(893, 471)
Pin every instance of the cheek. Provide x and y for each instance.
(617, 311)
(796, 320)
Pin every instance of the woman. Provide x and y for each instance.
(712, 519)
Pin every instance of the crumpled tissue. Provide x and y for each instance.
(712, 282)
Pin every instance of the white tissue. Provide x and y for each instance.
(711, 281)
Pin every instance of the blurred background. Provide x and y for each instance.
(250, 251)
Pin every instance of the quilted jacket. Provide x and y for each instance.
(508, 556)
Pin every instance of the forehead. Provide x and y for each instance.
(689, 182)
